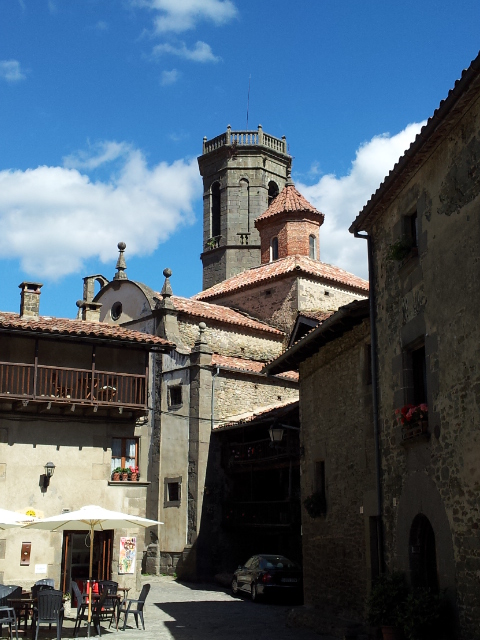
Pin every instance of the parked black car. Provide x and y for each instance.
(268, 574)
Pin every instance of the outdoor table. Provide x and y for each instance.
(125, 591)
(23, 607)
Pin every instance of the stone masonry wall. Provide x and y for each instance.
(272, 302)
(293, 238)
(337, 428)
(323, 297)
(233, 341)
(237, 394)
(433, 298)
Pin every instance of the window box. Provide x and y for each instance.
(414, 430)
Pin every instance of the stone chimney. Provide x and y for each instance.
(30, 299)
(88, 311)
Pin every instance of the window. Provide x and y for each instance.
(312, 247)
(116, 310)
(274, 249)
(215, 209)
(419, 376)
(272, 192)
(124, 453)
(412, 229)
(175, 395)
(172, 495)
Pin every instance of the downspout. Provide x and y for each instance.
(376, 430)
(212, 421)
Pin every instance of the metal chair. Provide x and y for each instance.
(111, 604)
(49, 610)
(138, 610)
(97, 607)
(7, 612)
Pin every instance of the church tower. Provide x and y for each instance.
(242, 171)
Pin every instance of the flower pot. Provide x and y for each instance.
(134, 477)
(124, 477)
(116, 477)
(391, 633)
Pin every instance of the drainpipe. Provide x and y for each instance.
(213, 397)
(376, 430)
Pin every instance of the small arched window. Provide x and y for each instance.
(312, 247)
(215, 209)
(274, 249)
(272, 191)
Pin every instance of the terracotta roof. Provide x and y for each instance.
(316, 315)
(438, 125)
(77, 328)
(218, 313)
(243, 364)
(291, 264)
(272, 412)
(288, 200)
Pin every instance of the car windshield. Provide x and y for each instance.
(277, 562)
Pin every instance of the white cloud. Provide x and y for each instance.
(342, 198)
(98, 154)
(182, 15)
(11, 71)
(169, 77)
(201, 52)
(54, 218)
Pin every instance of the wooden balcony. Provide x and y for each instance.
(57, 386)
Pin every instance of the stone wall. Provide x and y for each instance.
(293, 238)
(237, 393)
(337, 429)
(321, 296)
(233, 340)
(432, 299)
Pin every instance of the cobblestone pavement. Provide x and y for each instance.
(176, 611)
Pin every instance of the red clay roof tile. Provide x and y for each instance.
(77, 328)
(218, 313)
(278, 268)
(288, 200)
(243, 364)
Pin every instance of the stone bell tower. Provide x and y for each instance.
(242, 171)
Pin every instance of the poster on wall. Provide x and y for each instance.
(128, 554)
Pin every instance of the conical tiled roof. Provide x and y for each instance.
(289, 200)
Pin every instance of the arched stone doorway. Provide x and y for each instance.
(422, 553)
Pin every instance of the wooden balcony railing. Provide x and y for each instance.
(79, 386)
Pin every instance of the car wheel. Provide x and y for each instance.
(235, 587)
(254, 593)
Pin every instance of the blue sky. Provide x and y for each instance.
(104, 104)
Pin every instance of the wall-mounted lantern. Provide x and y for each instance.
(49, 471)
(276, 431)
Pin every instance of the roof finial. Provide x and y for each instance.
(201, 340)
(121, 265)
(289, 182)
(167, 287)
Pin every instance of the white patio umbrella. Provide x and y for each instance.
(11, 519)
(91, 518)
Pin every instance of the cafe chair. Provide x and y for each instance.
(97, 606)
(7, 612)
(48, 581)
(40, 587)
(48, 610)
(135, 607)
(112, 603)
(82, 602)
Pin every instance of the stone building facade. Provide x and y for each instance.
(423, 231)
(223, 335)
(338, 470)
(73, 393)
